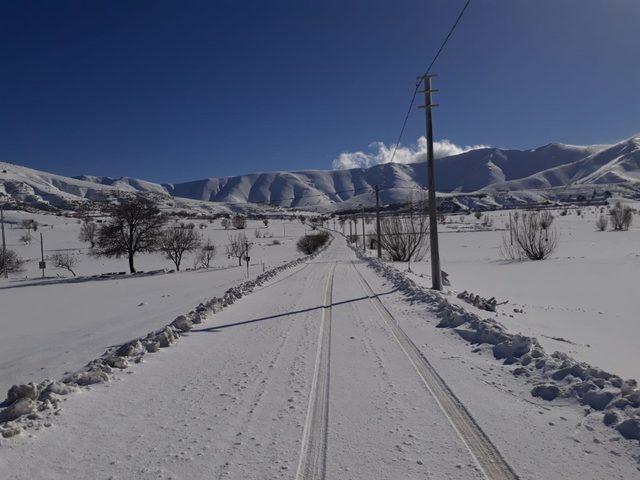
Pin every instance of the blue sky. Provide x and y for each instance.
(180, 90)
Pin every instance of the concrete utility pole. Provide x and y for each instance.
(246, 255)
(42, 264)
(4, 245)
(350, 230)
(378, 222)
(436, 275)
(364, 241)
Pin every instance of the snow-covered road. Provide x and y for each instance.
(306, 378)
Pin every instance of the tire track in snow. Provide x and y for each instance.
(313, 452)
(486, 455)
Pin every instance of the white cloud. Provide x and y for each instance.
(381, 153)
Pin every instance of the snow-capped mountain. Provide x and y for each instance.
(484, 170)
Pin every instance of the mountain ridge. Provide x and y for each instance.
(483, 170)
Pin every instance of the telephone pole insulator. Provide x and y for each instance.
(436, 274)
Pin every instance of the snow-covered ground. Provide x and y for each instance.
(583, 300)
(232, 399)
(58, 324)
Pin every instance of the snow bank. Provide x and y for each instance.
(31, 405)
(551, 376)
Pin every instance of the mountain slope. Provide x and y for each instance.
(617, 163)
(483, 170)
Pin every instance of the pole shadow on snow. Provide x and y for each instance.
(217, 328)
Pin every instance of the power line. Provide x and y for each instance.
(415, 90)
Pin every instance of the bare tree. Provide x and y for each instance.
(134, 227)
(205, 255)
(175, 242)
(239, 222)
(225, 222)
(621, 217)
(89, 233)
(527, 239)
(10, 262)
(64, 260)
(602, 222)
(238, 246)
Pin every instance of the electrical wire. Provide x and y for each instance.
(415, 90)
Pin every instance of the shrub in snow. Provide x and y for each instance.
(134, 227)
(309, 244)
(10, 262)
(528, 238)
(205, 255)
(602, 222)
(621, 217)
(64, 260)
(239, 221)
(225, 222)
(175, 242)
(403, 238)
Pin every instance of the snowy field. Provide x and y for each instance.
(248, 395)
(582, 301)
(59, 323)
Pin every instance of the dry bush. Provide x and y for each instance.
(205, 255)
(10, 262)
(528, 239)
(621, 217)
(602, 222)
(308, 244)
(89, 233)
(403, 238)
(239, 222)
(64, 260)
